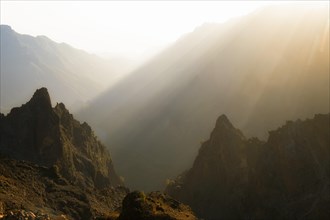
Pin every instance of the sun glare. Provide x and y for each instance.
(131, 29)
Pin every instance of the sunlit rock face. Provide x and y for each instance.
(49, 136)
(286, 177)
(51, 163)
(260, 70)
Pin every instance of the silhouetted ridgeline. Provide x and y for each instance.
(287, 177)
(72, 75)
(52, 163)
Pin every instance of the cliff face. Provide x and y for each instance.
(31, 132)
(294, 170)
(286, 177)
(57, 159)
(49, 136)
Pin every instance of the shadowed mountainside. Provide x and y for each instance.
(260, 70)
(53, 163)
(287, 177)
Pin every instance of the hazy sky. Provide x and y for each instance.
(131, 29)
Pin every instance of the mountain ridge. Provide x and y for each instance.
(286, 177)
(72, 75)
(70, 170)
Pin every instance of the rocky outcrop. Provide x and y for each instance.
(29, 215)
(219, 171)
(49, 136)
(27, 187)
(286, 177)
(292, 177)
(155, 205)
(49, 159)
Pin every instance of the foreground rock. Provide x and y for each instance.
(287, 177)
(51, 163)
(155, 205)
(29, 215)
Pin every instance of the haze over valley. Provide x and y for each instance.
(259, 75)
(224, 111)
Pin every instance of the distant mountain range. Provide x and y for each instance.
(72, 75)
(260, 70)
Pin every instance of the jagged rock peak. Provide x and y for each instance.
(287, 176)
(60, 156)
(42, 92)
(60, 109)
(41, 97)
(60, 106)
(224, 127)
(223, 121)
(51, 136)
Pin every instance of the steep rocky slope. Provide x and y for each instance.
(50, 160)
(287, 177)
(260, 70)
(27, 187)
